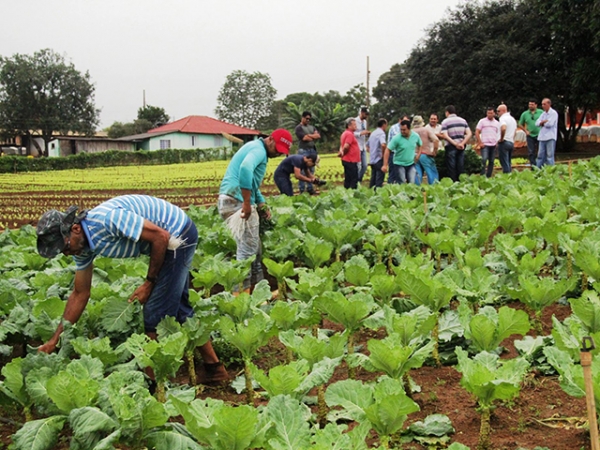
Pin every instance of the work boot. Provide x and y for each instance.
(213, 374)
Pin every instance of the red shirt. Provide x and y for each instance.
(353, 154)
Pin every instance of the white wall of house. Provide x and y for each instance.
(188, 141)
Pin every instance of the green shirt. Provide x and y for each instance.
(404, 148)
(528, 118)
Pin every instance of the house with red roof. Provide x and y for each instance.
(193, 132)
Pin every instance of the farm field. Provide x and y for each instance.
(406, 318)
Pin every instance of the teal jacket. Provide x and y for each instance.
(246, 171)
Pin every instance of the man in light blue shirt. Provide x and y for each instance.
(548, 123)
(376, 147)
(240, 190)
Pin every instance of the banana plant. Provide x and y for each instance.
(539, 293)
(348, 312)
(488, 328)
(490, 379)
(384, 406)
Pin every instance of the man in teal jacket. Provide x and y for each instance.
(240, 190)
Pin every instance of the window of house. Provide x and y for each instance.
(165, 144)
(193, 141)
(218, 141)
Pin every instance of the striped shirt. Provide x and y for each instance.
(456, 127)
(113, 228)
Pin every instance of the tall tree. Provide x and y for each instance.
(245, 98)
(394, 93)
(43, 93)
(153, 114)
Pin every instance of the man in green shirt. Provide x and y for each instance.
(527, 124)
(407, 150)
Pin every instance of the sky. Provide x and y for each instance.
(180, 51)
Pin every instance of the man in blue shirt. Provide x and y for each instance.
(376, 148)
(126, 227)
(298, 165)
(548, 123)
(240, 191)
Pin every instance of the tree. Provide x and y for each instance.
(394, 93)
(245, 98)
(355, 98)
(508, 51)
(120, 129)
(43, 93)
(153, 114)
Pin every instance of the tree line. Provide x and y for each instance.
(479, 54)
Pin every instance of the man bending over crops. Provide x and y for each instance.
(297, 165)
(240, 196)
(125, 227)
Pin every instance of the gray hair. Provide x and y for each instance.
(348, 121)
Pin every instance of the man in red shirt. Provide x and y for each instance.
(350, 154)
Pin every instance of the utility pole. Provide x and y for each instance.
(368, 92)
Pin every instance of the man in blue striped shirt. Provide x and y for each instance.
(457, 134)
(126, 227)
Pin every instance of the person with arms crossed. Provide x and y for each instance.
(487, 133)
(307, 134)
(548, 123)
(527, 124)
(125, 227)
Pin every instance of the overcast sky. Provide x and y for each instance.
(180, 51)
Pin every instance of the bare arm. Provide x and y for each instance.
(76, 303)
(159, 241)
(298, 174)
(502, 133)
(386, 158)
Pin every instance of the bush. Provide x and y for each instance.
(473, 163)
(14, 164)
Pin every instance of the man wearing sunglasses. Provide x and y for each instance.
(125, 227)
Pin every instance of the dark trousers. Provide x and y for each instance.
(487, 157)
(392, 171)
(455, 161)
(532, 150)
(377, 176)
(350, 174)
(505, 150)
(284, 184)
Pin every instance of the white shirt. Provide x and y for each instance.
(511, 126)
(361, 125)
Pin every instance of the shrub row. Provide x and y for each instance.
(14, 164)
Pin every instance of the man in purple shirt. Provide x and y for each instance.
(548, 123)
(487, 133)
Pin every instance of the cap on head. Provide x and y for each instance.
(52, 229)
(418, 121)
(283, 140)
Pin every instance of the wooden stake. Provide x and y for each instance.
(586, 363)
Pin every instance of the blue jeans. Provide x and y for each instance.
(170, 296)
(377, 176)
(303, 185)
(455, 161)
(546, 153)
(406, 173)
(426, 164)
(505, 150)
(487, 157)
(363, 165)
(393, 173)
(532, 149)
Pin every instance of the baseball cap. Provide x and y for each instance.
(52, 229)
(283, 140)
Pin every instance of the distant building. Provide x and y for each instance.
(193, 132)
(73, 145)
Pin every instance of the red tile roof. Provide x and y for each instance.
(203, 125)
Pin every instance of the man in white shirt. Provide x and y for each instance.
(362, 134)
(506, 143)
